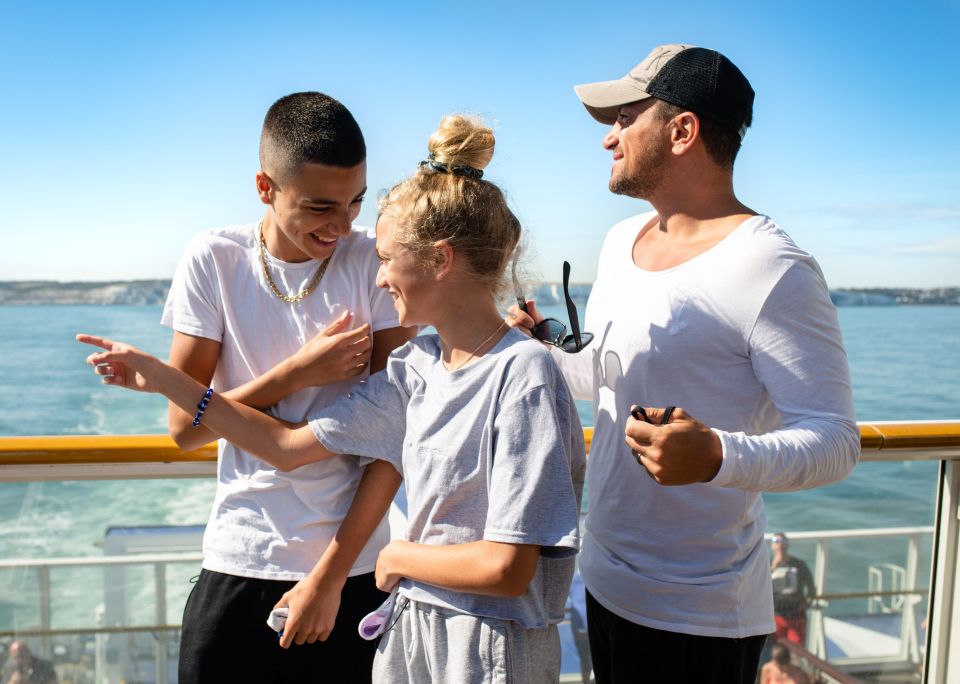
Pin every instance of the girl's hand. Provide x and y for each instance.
(123, 364)
(386, 574)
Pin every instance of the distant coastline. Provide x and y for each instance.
(154, 293)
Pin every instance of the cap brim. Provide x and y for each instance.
(604, 99)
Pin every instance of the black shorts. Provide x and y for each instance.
(225, 637)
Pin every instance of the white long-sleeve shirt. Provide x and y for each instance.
(745, 338)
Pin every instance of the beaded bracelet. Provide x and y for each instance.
(202, 406)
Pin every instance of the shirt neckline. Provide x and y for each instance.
(720, 246)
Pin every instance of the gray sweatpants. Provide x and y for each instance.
(433, 644)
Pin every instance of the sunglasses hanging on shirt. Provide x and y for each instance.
(550, 330)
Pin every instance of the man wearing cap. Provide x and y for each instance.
(708, 306)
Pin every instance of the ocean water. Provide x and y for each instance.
(904, 362)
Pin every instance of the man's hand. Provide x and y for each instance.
(335, 354)
(524, 320)
(123, 364)
(313, 604)
(684, 451)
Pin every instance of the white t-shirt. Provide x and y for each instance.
(266, 523)
(745, 338)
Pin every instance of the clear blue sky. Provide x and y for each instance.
(125, 129)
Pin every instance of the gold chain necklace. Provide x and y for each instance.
(478, 348)
(290, 299)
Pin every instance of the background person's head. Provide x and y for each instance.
(313, 175)
(454, 225)
(20, 652)
(21, 657)
(780, 654)
(779, 541)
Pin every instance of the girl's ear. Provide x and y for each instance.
(444, 256)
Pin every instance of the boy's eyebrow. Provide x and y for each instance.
(323, 200)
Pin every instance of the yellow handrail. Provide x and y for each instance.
(84, 449)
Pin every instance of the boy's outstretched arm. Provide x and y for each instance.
(281, 444)
(313, 603)
(337, 353)
(480, 567)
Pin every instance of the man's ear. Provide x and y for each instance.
(444, 257)
(265, 188)
(684, 131)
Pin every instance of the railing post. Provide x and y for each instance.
(909, 648)
(817, 638)
(160, 592)
(43, 597)
(944, 611)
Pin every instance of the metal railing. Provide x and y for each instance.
(45, 631)
(99, 457)
(47, 458)
(904, 599)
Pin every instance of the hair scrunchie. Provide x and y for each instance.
(456, 170)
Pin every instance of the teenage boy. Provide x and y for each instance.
(284, 314)
(706, 305)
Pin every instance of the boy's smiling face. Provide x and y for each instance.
(312, 209)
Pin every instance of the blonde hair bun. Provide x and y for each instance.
(462, 140)
(445, 200)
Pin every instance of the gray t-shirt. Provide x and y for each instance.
(493, 451)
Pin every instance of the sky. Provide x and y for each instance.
(126, 128)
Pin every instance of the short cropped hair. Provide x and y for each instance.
(721, 142)
(312, 128)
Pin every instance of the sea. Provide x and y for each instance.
(904, 362)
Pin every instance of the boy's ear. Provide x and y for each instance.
(265, 188)
(444, 257)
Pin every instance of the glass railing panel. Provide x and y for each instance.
(148, 593)
(868, 543)
(97, 623)
(66, 589)
(103, 657)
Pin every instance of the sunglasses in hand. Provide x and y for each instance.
(550, 330)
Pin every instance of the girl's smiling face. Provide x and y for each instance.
(409, 282)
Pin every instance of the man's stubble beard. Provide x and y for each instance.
(649, 172)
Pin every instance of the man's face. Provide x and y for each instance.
(315, 207)
(19, 653)
(640, 150)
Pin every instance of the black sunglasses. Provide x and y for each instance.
(550, 330)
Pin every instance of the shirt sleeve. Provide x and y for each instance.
(797, 354)
(533, 497)
(193, 304)
(369, 422)
(577, 370)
